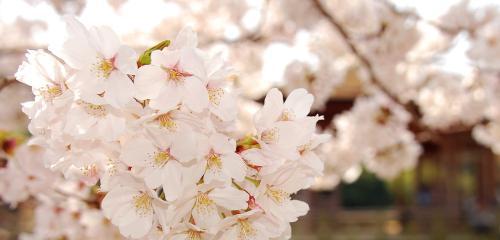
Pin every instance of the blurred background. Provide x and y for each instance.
(410, 91)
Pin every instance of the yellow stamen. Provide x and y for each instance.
(277, 195)
(161, 158)
(52, 92)
(287, 115)
(203, 203)
(104, 68)
(94, 110)
(215, 95)
(166, 121)
(270, 136)
(246, 229)
(214, 162)
(193, 235)
(143, 204)
(174, 75)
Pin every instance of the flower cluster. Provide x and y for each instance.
(63, 209)
(378, 128)
(157, 133)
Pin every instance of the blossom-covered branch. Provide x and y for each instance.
(158, 133)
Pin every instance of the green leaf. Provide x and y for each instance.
(145, 57)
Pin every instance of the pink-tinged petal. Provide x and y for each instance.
(312, 160)
(183, 236)
(195, 94)
(137, 152)
(74, 47)
(172, 180)
(74, 28)
(222, 144)
(186, 38)
(153, 176)
(299, 208)
(149, 81)
(110, 128)
(87, 87)
(233, 233)
(299, 102)
(290, 133)
(168, 98)
(295, 182)
(192, 62)
(319, 139)
(192, 174)
(138, 228)
(234, 166)
(182, 148)
(119, 89)
(229, 198)
(165, 58)
(126, 60)
(271, 111)
(77, 54)
(105, 41)
(206, 216)
(176, 213)
(227, 109)
(115, 199)
(255, 157)
(217, 175)
(79, 122)
(85, 79)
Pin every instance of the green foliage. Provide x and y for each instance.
(367, 191)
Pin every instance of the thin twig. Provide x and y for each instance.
(373, 77)
(416, 124)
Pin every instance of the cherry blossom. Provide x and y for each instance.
(160, 142)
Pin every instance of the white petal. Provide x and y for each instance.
(168, 98)
(149, 81)
(255, 157)
(153, 177)
(119, 89)
(105, 41)
(126, 60)
(138, 228)
(206, 216)
(185, 38)
(312, 160)
(272, 109)
(234, 166)
(182, 148)
(165, 58)
(229, 198)
(137, 151)
(300, 102)
(222, 143)
(195, 95)
(74, 47)
(192, 174)
(172, 183)
(191, 62)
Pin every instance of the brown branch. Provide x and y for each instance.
(6, 82)
(416, 124)
(354, 50)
